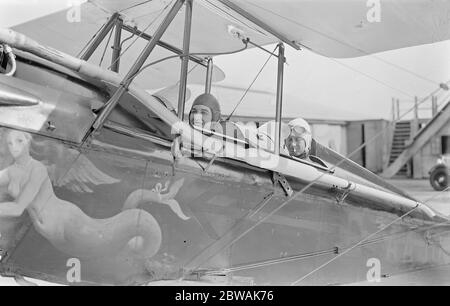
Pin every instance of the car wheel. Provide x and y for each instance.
(439, 179)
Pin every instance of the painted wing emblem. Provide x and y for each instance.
(69, 168)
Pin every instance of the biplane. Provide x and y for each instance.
(101, 171)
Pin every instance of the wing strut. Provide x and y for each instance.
(163, 44)
(111, 104)
(99, 38)
(115, 61)
(209, 73)
(185, 59)
(280, 76)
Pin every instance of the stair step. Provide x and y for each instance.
(402, 134)
(395, 156)
(401, 139)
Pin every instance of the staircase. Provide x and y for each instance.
(402, 134)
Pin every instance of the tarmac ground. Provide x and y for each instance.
(423, 192)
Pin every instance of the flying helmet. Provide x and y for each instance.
(299, 129)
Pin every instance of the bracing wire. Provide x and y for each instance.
(189, 54)
(135, 5)
(301, 191)
(355, 245)
(140, 35)
(92, 38)
(106, 48)
(362, 241)
(372, 78)
(251, 84)
(344, 43)
(264, 263)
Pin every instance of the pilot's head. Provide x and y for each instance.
(298, 143)
(205, 109)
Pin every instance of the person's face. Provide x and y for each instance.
(17, 143)
(296, 145)
(200, 115)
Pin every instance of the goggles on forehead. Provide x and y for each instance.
(299, 130)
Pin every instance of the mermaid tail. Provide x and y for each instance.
(132, 230)
(175, 207)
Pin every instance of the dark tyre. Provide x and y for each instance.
(439, 178)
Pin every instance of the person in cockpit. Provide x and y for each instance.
(298, 142)
(205, 112)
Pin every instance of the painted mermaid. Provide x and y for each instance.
(62, 223)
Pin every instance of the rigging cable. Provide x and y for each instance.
(92, 38)
(251, 84)
(283, 204)
(135, 5)
(140, 34)
(371, 77)
(190, 54)
(344, 43)
(106, 47)
(356, 245)
(362, 241)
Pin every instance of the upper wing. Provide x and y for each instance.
(350, 28)
(210, 23)
(70, 37)
(345, 28)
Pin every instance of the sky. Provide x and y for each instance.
(364, 86)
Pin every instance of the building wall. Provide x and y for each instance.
(377, 134)
(426, 158)
(377, 151)
(354, 140)
(332, 136)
